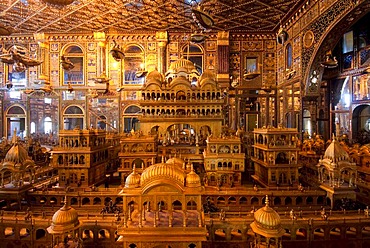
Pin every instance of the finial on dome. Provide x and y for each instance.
(334, 138)
(65, 201)
(134, 168)
(14, 138)
(162, 159)
(267, 201)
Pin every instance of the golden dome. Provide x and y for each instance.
(133, 180)
(207, 77)
(176, 161)
(267, 222)
(335, 152)
(64, 220)
(192, 179)
(155, 76)
(16, 154)
(183, 65)
(162, 171)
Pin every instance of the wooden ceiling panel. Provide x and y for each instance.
(34, 16)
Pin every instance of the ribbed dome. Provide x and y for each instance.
(335, 152)
(207, 77)
(64, 220)
(183, 65)
(192, 179)
(176, 161)
(267, 222)
(162, 170)
(155, 76)
(133, 180)
(17, 154)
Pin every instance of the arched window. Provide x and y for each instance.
(16, 120)
(73, 117)
(75, 76)
(134, 61)
(48, 126)
(194, 53)
(33, 127)
(130, 119)
(289, 56)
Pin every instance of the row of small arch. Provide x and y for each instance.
(301, 233)
(220, 201)
(276, 200)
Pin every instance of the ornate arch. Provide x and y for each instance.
(328, 29)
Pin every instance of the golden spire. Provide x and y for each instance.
(267, 201)
(14, 138)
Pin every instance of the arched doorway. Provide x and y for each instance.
(361, 123)
(16, 120)
(130, 118)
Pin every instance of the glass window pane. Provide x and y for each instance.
(348, 42)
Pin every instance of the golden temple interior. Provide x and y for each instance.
(184, 123)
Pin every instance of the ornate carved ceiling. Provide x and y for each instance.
(86, 16)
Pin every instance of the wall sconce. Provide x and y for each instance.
(282, 36)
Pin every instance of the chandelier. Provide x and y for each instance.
(202, 19)
(5, 31)
(58, 3)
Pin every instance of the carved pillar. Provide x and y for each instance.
(100, 38)
(44, 52)
(162, 40)
(223, 59)
(185, 219)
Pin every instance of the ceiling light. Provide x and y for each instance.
(251, 75)
(58, 3)
(198, 38)
(66, 63)
(202, 18)
(5, 31)
(117, 52)
(330, 61)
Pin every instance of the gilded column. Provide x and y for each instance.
(162, 41)
(44, 51)
(99, 37)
